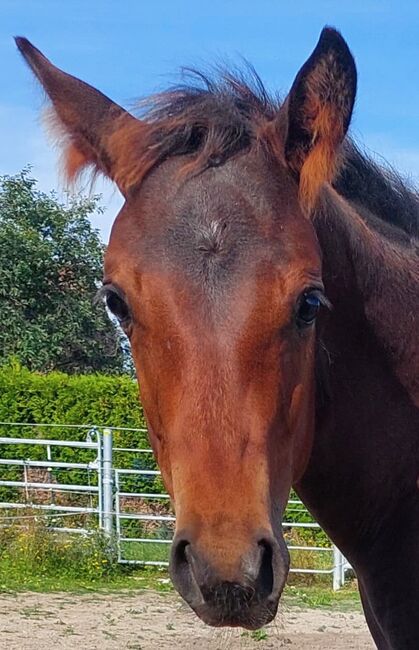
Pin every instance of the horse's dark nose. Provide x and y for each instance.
(246, 595)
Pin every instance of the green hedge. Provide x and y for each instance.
(56, 398)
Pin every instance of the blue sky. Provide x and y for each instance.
(129, 48)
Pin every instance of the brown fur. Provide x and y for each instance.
(211, 258)
(120, 162)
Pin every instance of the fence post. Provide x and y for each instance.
(107, 481)
(338, 571)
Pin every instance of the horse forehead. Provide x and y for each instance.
(230, 229)
(245, 183)
(231, 207)
(211, 226)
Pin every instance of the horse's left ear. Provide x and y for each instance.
(319, 108)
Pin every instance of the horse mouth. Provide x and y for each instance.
(250, 617)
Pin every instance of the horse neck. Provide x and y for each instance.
(366, 369)
(371, 274)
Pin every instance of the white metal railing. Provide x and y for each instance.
(29, 489)
(109, 499)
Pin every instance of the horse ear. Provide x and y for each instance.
(319, 108)
(95, 129)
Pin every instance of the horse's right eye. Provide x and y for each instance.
(118, 307)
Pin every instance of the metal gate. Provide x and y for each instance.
(41, 476)
(126, 503)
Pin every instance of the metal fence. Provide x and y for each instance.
(119, 490)
(35, 477)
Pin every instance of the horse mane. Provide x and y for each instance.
(378, 189)
(214, 116)
(209, 118)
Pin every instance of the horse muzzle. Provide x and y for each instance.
(244, 592)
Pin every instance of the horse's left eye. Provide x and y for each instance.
(308, 308)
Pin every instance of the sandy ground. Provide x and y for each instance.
(143, 620)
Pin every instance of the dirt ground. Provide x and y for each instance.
(142, 620)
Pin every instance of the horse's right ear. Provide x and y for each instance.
(95, 129)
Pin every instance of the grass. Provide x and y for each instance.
(34, 559)
(320, 597)
(156, 552)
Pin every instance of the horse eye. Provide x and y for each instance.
(308, 308)
(117, 306)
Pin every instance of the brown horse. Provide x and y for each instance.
(247, 220)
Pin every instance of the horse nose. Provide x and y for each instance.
(247, 596)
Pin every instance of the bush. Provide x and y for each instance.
(57, 398)
(50, 267)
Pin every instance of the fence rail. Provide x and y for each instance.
(140, 519)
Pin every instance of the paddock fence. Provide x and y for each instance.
(80, 481)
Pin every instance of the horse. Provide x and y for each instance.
(265, 270)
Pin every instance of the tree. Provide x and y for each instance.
(50, 267)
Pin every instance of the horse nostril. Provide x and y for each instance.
(179, 551)
(265, 577)
(179, 565)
